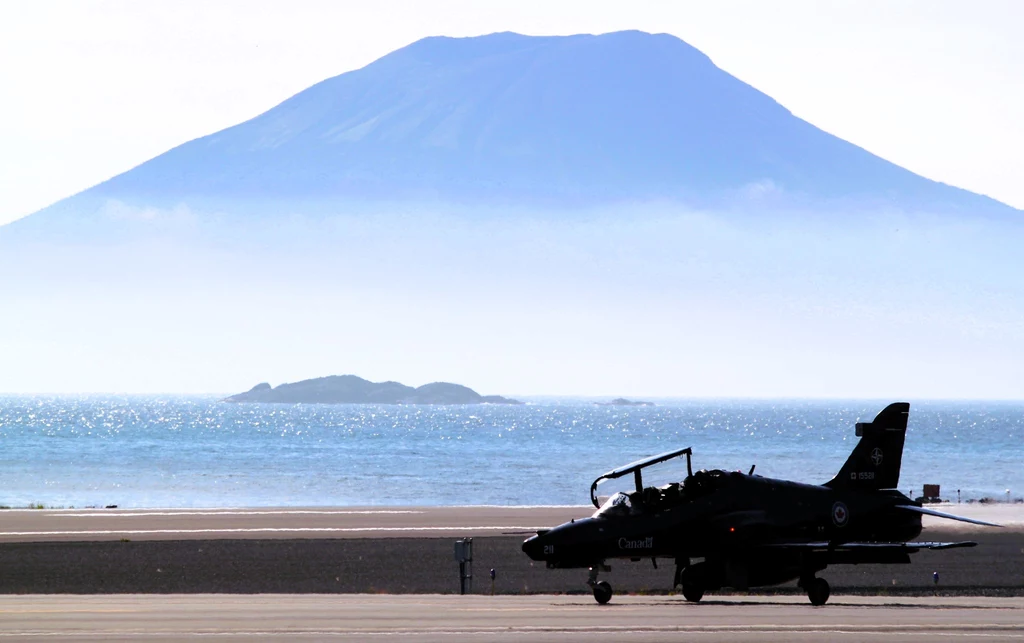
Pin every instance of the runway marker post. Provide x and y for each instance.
(464, 556)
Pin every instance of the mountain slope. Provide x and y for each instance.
(511, 119)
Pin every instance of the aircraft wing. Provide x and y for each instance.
(964, 543)
(908, 547)
(858, 553)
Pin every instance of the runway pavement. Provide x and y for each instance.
(41, 525)
(415, 619)
(389, 549)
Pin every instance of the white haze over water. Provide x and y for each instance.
(644, 300)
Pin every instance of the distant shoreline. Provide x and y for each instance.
(351, 389)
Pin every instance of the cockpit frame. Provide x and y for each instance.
(636, 467)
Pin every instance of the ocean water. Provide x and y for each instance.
(199, 452)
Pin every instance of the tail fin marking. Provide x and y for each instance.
(875, 461)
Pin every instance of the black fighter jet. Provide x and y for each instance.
(729, 529)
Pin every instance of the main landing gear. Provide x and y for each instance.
(694, 581)
(691, 577)
(602, 590)
(817, 589)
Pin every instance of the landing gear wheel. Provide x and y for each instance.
(818, 591)
(602, 592)
(693, 587)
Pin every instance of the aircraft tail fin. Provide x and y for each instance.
(875, 461)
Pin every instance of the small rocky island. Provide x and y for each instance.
(349, 389)
(621, 401)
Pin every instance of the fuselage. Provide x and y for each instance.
(716, 514)
(729, 529)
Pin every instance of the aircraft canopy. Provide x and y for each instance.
(636, 467)
(617, 505)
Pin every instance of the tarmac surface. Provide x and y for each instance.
(43, 525)
(365, 574)
(416, 619)
(404, 550)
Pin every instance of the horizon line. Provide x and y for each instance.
(545, 397)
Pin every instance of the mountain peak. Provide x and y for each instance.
(506, 118)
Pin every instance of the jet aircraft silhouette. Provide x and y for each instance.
(730, 529)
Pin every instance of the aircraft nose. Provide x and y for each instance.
(533, 548)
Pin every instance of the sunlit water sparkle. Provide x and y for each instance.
(199, 452)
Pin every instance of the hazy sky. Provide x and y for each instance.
(91, 88)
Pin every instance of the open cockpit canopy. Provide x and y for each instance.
(647, 499)
(636, 468)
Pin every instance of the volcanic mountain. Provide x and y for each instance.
(508, 119)
(563, 215)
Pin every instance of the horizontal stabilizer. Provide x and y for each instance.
(932, 512)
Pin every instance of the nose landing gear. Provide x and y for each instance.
(602, 589)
